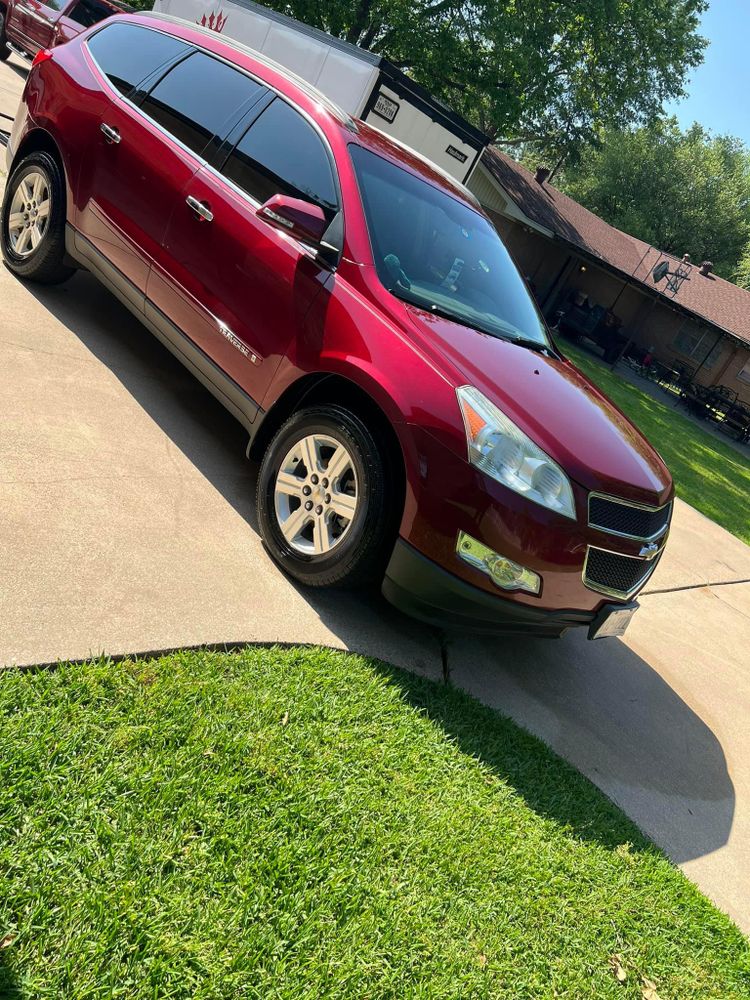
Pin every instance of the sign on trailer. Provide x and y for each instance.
(361, 83)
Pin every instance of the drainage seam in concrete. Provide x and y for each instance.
(443, 641)
(694, 586)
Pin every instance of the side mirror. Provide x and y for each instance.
(301, 219)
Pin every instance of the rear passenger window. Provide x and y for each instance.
(88, 12)
(282, 154)
(196, 97)
(127, 53)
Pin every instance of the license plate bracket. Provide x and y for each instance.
(612, 620)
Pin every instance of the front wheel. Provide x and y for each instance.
(325, 499)
(33, 221)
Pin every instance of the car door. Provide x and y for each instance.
(237, 286)
(39, 20)
(79, 16)
(127, 173)
(150, 142)
(17, 25)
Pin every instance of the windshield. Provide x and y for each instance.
(439, 254)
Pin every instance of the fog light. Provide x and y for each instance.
(503, 572)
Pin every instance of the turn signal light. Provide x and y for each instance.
(503, 572)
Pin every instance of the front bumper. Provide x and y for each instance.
(421, 588)
(449, 496)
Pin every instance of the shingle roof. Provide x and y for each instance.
(715, 300)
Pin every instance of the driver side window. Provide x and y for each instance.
(282, 154)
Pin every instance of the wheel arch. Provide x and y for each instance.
(38, 140)
(331, 388)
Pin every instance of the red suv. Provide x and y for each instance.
(30, 25)
(351, 306)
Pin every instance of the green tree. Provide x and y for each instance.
(742, 273)
(548, 72)
(683, 192)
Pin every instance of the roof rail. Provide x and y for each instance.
(307, 88)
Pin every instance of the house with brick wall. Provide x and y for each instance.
(565, 251)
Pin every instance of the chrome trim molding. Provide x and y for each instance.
(637, 506)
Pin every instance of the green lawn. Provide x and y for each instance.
(709, 475)
(305, 824)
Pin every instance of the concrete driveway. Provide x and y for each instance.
(127, 524)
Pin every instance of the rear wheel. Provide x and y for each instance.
(33, 221)
(325, 499)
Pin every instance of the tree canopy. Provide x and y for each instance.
(548, 72)
(683, 192)
(742, 272)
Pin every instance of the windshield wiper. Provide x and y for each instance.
(533, 345)
(508, 333)
(436, 310)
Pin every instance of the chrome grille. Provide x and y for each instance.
(615, 574)
(618, 517)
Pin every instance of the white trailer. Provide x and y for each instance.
(361, 83)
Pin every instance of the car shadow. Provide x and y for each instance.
(553, 791)
(19, 68)
(605, 709)
(597, 704)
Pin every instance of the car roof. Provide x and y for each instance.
(224, 42)
(372, 138)
(358, 131)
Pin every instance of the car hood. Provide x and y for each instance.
(557, 406)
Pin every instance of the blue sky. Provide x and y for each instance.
(719, 90)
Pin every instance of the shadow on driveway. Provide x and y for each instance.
(19, 68)
(598, 704)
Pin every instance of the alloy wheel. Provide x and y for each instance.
(316, 494)
(29, 213)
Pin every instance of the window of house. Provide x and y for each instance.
(703, 346)
(744, 373)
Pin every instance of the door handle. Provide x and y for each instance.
(200, 208)
(110, 134)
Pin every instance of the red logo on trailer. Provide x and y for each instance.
(214, 22)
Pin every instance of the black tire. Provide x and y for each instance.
(4, 50)
(359, 557)
(46, 263)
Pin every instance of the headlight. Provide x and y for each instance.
(503, 451)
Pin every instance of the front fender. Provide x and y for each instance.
(344, 335)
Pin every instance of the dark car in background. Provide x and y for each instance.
(27, 26)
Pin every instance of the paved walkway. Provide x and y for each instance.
(128, 524)
(13, 75)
